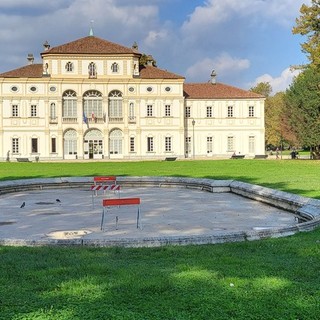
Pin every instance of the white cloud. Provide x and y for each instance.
(224, 65)
(280, 83)
(215, 12)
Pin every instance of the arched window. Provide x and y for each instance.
(69, 66)
(115, 106)
(70, 142)
(92, 70)
(115, 67)
(116, 141)
(69, 104)
(92, 105)
(131, 112)
(53, 111)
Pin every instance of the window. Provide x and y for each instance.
(115, 105)
(115, 67)
(188, 145)
(209, 112)
(116, 142)
(167, 110)
(34, 145)
(92, 70)
(70, 142)
(15, 145)
(69, 66)
(149, 89)
(251, 111)
(149, 110)
(53, 145)
(131, 112)
(209, 144)
(230, 146)
(33, 110)
(69, 104)
(131, 144)
(167, 144)
(230, 111)
(92, 105)
(251, 144)
(53, 114)
(168, 89)
(188, 112)
(150, 144)
(15, 110)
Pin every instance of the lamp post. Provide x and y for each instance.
(193, 140)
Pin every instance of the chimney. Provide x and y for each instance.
(30, 58)
(150, 60)
(46, 46)
(213, 77)
(135, 47)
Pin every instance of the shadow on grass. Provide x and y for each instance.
(270, 279)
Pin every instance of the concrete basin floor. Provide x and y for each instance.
(165, 212)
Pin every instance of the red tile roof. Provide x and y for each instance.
(29, 71)
(90, 45)
(216, 91)
(150, 72)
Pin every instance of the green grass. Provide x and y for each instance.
(296, 176)
(267, 279)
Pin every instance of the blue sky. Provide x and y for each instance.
(246, 42)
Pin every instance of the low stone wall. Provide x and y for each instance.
(306, 210)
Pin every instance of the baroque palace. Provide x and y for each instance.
(94, 99)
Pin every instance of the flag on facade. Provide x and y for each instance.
(85, 120)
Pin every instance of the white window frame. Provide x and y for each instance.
(33, 111)
(167, 110)
(15, 142)
(149, 110)
(209, 144)
(230, 144)
(15, 110)
(251, 111)
(168, 144)
(150, 144)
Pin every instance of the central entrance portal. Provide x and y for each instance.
(93, 144)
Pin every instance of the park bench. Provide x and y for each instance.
(23, 160)
(237, 156)
(261, 156)
(170, 158)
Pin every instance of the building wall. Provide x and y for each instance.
(199, 135)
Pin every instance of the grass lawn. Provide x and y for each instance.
(267, 279)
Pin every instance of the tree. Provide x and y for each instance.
(308, 24)
(303, 109)
(263, 88)
(276, 123)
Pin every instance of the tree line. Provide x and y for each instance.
(292, 118)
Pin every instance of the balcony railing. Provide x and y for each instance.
(69, 120)
(115, 119)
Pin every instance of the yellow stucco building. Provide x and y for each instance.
(92, 99)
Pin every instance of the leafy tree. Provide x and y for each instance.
(308, 24)
(263, 88)
(276, 123)
(303, 109)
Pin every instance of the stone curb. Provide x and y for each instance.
(306, 210)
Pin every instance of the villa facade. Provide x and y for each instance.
(93, 99)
